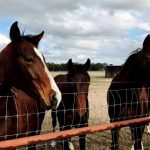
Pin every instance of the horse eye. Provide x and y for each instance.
(28, 58)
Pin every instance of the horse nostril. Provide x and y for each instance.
(54, 101)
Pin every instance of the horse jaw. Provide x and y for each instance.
(58, 95)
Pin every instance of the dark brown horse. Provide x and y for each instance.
(73, 111)
(26, 87)
(128, 95)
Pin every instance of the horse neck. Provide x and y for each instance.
(9, 72)
(5, 57)
(7, 100)
(129, 72)
(79, 100)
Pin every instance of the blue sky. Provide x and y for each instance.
(4, 25)
(104, 31)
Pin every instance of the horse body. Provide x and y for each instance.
(26, 87)
(16, 116)
(73, 111)
(128, 94)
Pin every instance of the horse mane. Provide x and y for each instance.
(28, 38)
(131, 58)
(130, 61)
(135, 51)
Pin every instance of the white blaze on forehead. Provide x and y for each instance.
(52, 82)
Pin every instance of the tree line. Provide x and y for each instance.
(63, 66)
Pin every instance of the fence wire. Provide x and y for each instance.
(98, 114)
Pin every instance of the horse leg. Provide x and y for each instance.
(32, 147)
(67, 145)
(115, 137)
(54, 122)
(82, 138)
(137, 134)
(37, 130)
(82, 142)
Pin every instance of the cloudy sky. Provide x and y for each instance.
(102, 30)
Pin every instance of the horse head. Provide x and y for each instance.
(79, 81)
(23, 66)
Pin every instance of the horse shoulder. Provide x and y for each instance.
(143, 99)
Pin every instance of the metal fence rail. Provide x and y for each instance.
(20, 142)
(98, 123)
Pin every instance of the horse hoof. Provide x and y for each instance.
(53, 144)
(71, 147)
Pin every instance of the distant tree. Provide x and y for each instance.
(98, 66)
(57, 67)
(63, 67)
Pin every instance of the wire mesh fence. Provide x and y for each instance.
(98, 115)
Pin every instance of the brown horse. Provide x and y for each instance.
(26, 86)
(128, 95)
(73, 111)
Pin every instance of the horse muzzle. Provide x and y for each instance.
(54, 101)
(52, 105)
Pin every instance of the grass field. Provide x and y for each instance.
(98, 115)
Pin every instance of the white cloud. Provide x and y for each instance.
(3, 41)
(145, 26)
(99, 29)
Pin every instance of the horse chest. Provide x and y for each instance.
(144, 99)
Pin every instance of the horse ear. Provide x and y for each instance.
(146, 41)
(70, 65)
(36, 39)
(87, 64)
(14, 31)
